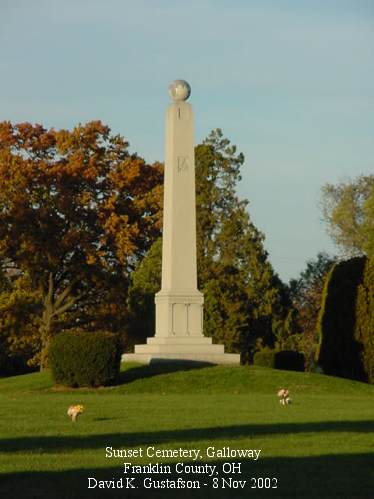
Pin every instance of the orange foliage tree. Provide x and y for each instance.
(77, 211)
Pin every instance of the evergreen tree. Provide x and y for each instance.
(364, 325)
(340, 349)
(306, 295)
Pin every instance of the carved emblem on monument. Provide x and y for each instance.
(182, 163)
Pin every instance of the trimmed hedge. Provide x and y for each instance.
(346, 319)
(288, 360)
(85, 359)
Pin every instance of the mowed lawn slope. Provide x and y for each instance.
(321, 446)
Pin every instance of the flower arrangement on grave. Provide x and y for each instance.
(74, 411)
(284, 396)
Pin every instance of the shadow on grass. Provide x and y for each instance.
(328, 476)
(159, 367)
(58, 443)
(105, 419)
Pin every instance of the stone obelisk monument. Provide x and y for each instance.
(179, 304)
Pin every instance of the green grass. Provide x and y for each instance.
(320, 446)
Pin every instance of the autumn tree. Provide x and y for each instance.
(77, 211)
(20, 309)
(348, 209)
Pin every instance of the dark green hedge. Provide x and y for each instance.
(85, 359)
(288, 360)
(341, 345)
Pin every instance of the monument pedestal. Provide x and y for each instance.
(179, 325)
(179, 304)
(179, 314)
(181, 348)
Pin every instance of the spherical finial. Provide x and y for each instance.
(179, 90)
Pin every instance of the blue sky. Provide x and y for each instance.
(291, 83)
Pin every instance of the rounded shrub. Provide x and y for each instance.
(289, 360)
(264, 357)
(85, 359)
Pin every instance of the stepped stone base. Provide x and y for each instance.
(195, 349)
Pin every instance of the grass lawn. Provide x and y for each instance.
(322, 446)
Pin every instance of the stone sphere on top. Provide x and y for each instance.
(179, 90)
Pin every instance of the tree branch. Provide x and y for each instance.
(67, 305)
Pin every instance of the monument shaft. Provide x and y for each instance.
(179, 231)
(179, 304)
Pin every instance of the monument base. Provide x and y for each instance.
(192, 349)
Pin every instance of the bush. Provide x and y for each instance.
(289, 360)
(12, 365)
(85, 359)
(264, 357)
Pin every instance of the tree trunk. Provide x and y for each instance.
(46, 325)
(53, 307)
(45, 330)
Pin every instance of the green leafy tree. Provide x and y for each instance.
(288, 332)
(145, 282)
(348, 209)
